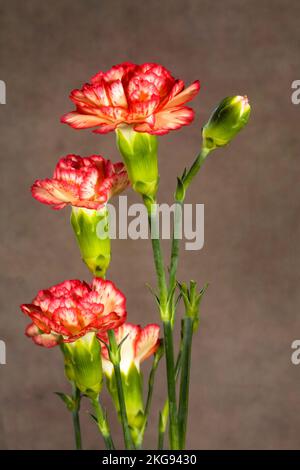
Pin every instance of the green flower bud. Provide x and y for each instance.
(91, 229)
(83, 364)
(192, 299)
(226, 121)
(139, 151)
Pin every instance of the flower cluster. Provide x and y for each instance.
(139, 102)
(68, 311)
(145, 96)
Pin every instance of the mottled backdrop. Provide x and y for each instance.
(245, 391)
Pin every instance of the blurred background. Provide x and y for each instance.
(245, 391)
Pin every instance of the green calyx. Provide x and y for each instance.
(91, 228)
(83, 365)
(229, 118)
(139, 152)
(192, 299)
(132, 382)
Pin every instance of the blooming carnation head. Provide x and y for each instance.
(145, 96)
(137, 345)
(70, 310)
(87, 182)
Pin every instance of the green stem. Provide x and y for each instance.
(195, 167)
(164, 414)
(165, 315)
(115, 358)
(149, 396)
(150, 390)
(75, 417)
(185, 379)
(162, 424)
(190, 175)
(175, 253)
(169, 349)
(158, 258)
(102, 423)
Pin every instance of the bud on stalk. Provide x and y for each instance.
(231, 115)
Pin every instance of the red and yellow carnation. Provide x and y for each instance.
(87, 182)
(68, 311)
(145, 96)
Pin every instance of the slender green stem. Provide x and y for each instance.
(198, 162)
(75, 417)
(175, 245)
(150, 390)
(169, 349)
(185, 379)
(190, 175)
(149, 395)
(165, 315)
(162, 427)
(102, 423)
(164, 414)
(158, 258)
(115, 358)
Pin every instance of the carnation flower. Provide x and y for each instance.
(87, 182)
(67, 311)
(145, 96)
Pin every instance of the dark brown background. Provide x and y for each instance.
(245, 391)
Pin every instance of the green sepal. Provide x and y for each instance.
(68, 400)
(91, 228)
(192, 299)
(180, 190)
(139, 152)
(83, 364)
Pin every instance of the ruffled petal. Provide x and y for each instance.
(131, 333)
(178, 99)
(105, 128)
(112, 299)
(169, 119)
(81, 121)
(117, 72)
(54, 192)
(147, 343)
(88, 186)
(38, 317)
(69, 319)
(117, 94)
(41, 339)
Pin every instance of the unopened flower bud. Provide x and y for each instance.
(192, 299)
(226, 121)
